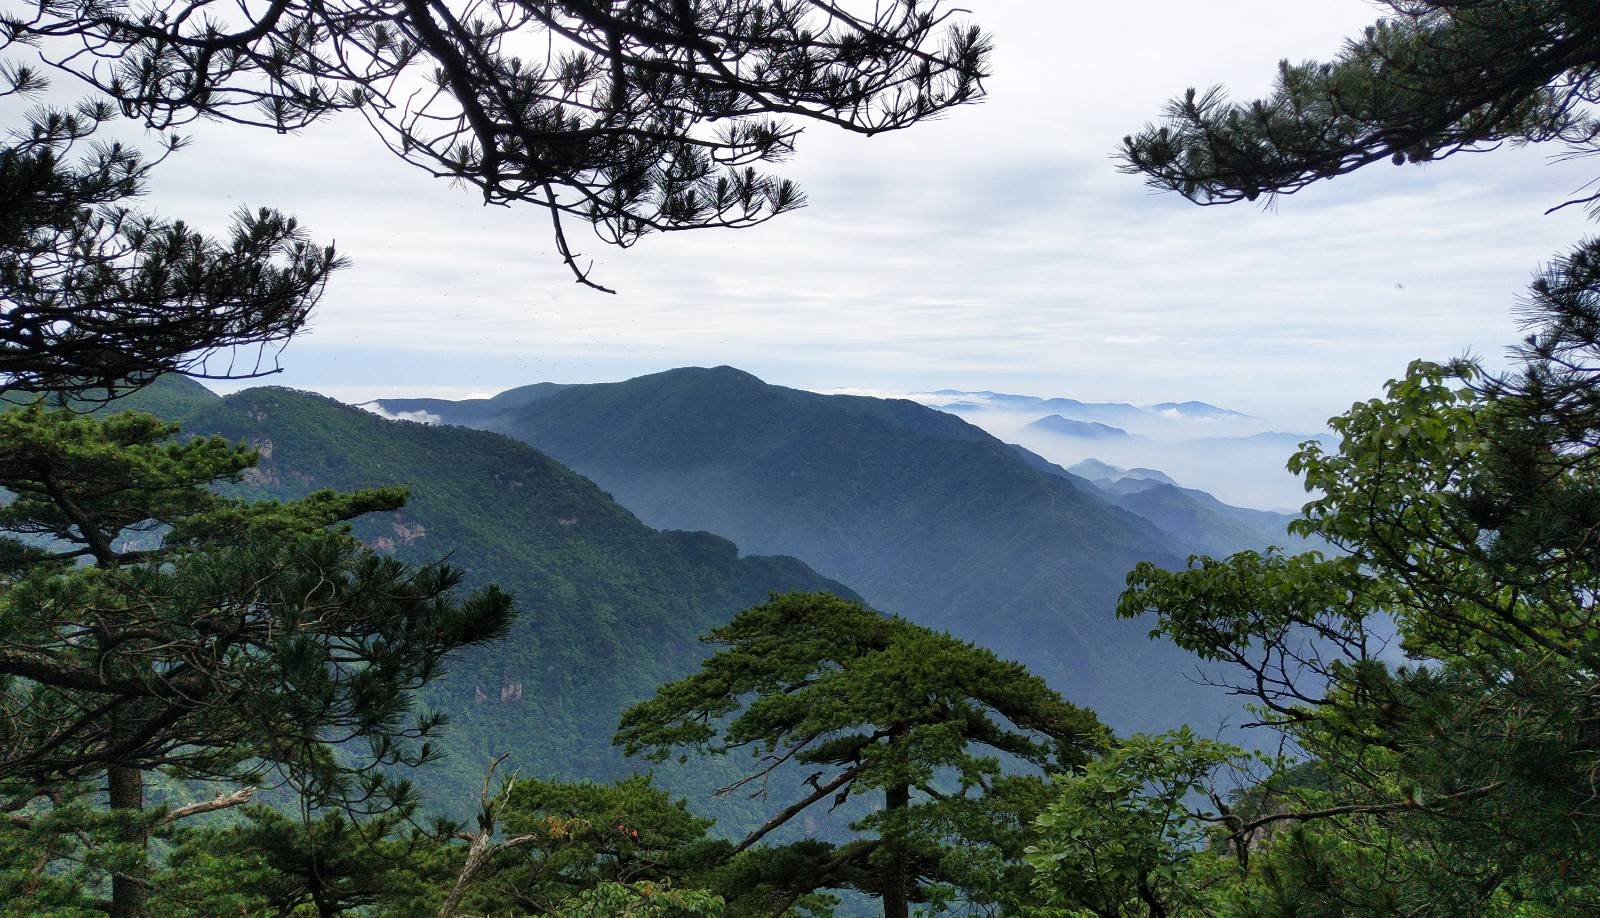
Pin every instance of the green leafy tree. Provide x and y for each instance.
(870, 705)
(1431, 79)
(149, 624)
(1440, 671)
(1124, 837)
(1474, 754)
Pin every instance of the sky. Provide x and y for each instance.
(997, 248)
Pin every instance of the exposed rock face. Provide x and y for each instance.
(409, 533)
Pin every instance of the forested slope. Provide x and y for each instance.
(925, 514)
(608, 607)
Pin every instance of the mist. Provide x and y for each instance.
(1238, 458)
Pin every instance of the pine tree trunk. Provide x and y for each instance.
(895, 904)
(125, 789)
(319, 899)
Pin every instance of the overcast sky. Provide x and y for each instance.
(998, 248)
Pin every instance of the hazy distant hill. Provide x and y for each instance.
(1107, 412)
(1198, 522)
(921, 512)
(1066, 427)
(1197, 410)
(1203, 524)
(1120, 480)
(1224, 452)
(471, 409)
(1073, 409)
(609, 607)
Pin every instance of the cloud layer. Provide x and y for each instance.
(998, 248)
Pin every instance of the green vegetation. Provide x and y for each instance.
(1118, 838)
(610, 607)
(1444, 783)
(150, 625)
(1437, 676)
(875, 705)
(1449, 780)
(231, 659)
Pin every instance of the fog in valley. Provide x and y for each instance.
(1241, 459)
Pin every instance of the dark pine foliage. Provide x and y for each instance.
(1434, 78)
(869, 704)
(636, 117)
(96, 295)
(148, 624)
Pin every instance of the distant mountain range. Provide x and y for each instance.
(922, 513)
(1112, 478)
(1072, 409)
(1066, 427)
(1197, 410)
(1224, 452)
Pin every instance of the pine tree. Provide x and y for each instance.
(1434, 78)
(272, 862)
(96, 296)
(634, 117)
(149, 624)
(871, 706)
(581, 836)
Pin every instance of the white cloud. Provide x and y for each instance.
(419, 416)
(997, 248)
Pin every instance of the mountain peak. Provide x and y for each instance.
(1066, 427)
(721, 373)
(1193, 409)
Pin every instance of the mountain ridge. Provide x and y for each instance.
(608, 608)
(924, 514)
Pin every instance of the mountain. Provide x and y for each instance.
(1193, 518)
(608, 607)
(1119, 480)
(1095, 470)
(1068, 407)
(1201, 522)
(1198, 410)
(425, 410)
(1072, 409)
(1137, 474)
(1084, 430)
(926, 515)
